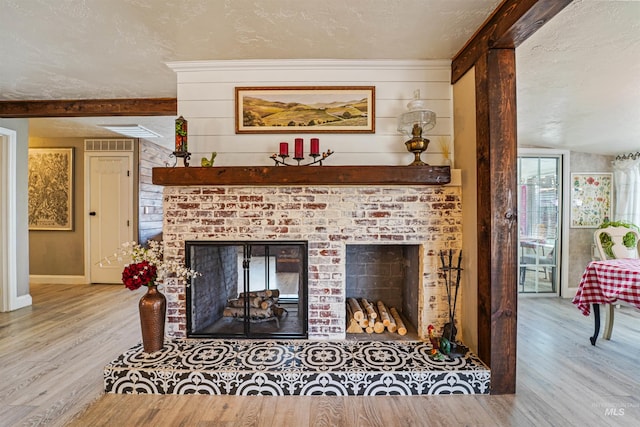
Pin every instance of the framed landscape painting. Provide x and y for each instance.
(305, 109)
(50, 188)
(590, 199)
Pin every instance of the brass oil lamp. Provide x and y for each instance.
(413, 124)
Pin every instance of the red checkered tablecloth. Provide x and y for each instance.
(605, 282)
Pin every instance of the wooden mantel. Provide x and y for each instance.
(303, 175)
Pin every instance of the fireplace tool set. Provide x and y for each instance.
(447, 343)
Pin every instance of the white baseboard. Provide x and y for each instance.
(58, 279)
(22, 301)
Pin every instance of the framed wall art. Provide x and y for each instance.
(305, 109)
(50, 188)
(590, 199)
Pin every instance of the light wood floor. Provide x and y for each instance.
(52, 355)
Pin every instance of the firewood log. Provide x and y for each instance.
(275, 293)
(353, 327)
(266, 303)
(254, 294)
(384, 314)
(253, 312)
(378, 326)
(239, 302)
(267, 293)
(402, 330)
(392, 325)
(356, 309)
(369, 308)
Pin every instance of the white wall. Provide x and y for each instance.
(19, 296)
(206, 92)
(465, 140)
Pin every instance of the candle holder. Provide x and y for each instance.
(185, 155)
(316, 160)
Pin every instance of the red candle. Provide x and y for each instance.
(315, 146)
(298, 149)
(284, 149)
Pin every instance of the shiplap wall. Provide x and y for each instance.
(150, 212)
(206, 98)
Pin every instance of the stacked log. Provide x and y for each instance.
(257, 313)
(356, 309)
(262, 304)
(353, 327)
(267, 293)
(363, 316)
(387, 320)
(402, 330)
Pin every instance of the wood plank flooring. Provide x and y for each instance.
(52, 355)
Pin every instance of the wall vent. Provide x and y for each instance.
(108, 144)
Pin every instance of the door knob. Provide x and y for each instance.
(92, 213)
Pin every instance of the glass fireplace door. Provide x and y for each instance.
(247, 289)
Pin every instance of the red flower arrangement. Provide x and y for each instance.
(139, 274)
(148, 265)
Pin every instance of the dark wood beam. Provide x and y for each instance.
(492, 52)
(89, 107)
(483, 183)
(325, 175)
(496, 150)
(509, 25)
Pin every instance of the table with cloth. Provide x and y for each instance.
(605, 282)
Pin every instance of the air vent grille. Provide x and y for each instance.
(108, 144)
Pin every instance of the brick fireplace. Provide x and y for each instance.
(329, 217)
(391, 218)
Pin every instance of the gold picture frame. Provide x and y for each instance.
(305, 109)
(50, 189)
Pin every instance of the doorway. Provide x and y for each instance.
(9, 251)
(540, 225)
(109, 212)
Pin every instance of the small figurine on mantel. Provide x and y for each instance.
(207, 163)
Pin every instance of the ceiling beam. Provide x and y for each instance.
(507, 27)
(89, 107)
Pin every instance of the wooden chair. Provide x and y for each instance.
(610, 242)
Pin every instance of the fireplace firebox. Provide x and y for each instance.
(248, 289)
(389, 273)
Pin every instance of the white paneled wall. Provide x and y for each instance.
(206, 92)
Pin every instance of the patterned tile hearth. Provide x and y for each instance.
(294, 367)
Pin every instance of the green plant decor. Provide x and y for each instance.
(629, 239)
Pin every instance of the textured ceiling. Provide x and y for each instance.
(579, 79)
(568, 72)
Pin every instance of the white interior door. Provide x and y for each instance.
(110, 212)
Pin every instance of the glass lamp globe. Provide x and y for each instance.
(413, 124)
